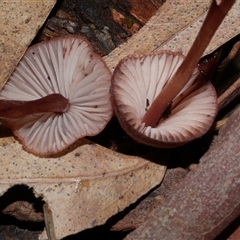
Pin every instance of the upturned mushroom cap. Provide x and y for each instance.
(67, 66)
(137, 81)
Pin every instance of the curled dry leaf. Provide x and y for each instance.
(193, 110)
(66, 66)
(24, 211)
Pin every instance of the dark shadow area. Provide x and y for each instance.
(228, 74)
(227, 110)
(25, 194)
(97, 233)
(114, 138)
(80, 142)
(191, 153)
(229, 230)
(15, 233)
(5, 132)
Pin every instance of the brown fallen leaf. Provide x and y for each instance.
(226, 31)
(88, 183)
(24, 211)
(19, 23)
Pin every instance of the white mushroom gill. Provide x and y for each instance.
(67, 66)
(137, 81)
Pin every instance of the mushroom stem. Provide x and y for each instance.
(55, 103)
(213, 19)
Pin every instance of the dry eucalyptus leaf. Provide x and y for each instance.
(228, 29)
(84, 187)
(174, 27)
(19, 23)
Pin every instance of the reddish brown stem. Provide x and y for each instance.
(55, 103)
(213, 19)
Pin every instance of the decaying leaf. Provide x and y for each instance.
(24, 211)
(85, 186)
(19, 23)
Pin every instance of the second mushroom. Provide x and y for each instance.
(138, 80)
(161, 99)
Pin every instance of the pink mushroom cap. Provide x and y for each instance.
(138, 79)
(65, 65)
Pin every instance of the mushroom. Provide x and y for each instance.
(192, 111)
(58, 93)
(161, 99)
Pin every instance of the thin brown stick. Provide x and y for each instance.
(229, 94)
(213, 19)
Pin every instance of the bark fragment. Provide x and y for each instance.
(207, 199)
